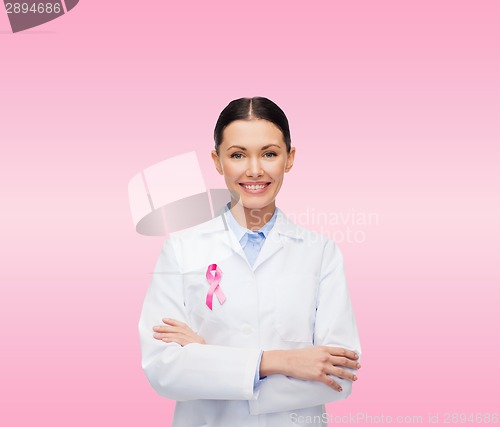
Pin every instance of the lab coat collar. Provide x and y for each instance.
(281, 233)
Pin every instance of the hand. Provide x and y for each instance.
(314, 363)
(177, 331)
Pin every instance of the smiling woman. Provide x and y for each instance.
(279, 338)
(253, 157)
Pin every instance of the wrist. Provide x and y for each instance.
(274, 362)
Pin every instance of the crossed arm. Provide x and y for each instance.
(313, 364)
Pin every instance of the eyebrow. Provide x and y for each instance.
(244, 149)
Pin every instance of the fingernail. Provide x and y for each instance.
(340, 388)
(354, 378)
(358, 366)
(156, 335)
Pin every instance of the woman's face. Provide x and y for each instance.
(253, 159)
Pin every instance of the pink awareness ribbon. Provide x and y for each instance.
(214, 285)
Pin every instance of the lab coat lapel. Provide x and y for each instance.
(277, 238)
(272, 245)
(219, 230)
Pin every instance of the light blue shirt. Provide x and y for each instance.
(251, 241)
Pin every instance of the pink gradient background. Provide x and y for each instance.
(394, 109)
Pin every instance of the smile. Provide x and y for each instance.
(255, 187)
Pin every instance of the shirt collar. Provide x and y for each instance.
(241, 232)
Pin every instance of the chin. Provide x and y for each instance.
(255, 204)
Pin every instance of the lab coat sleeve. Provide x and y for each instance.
(335, 326)
(195, 371)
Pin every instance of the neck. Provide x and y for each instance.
(252, 218)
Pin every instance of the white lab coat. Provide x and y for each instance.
(295, 296)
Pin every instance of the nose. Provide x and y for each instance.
(254, 168)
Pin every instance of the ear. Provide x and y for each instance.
(217, 162)
(290, 159)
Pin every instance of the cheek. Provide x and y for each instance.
(276, 171)
(232, 171)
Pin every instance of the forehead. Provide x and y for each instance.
(252, 132)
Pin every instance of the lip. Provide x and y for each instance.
(259, 191)
(255, 183)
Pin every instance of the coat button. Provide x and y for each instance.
(246, 330)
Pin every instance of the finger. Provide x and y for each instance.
(173, 329)
(173, 322)
(171, 335)
(179, 337)
(344, 361)
(168, 329)
(160, 336)
(159, 328)
(341, 373)
(339, 351)
(176, 325)
(330, 382)
(181, 329)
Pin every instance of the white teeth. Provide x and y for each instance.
(254, 187)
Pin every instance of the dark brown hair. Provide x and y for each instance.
(257, 107)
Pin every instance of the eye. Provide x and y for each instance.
(236, 155)
(270, 155)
